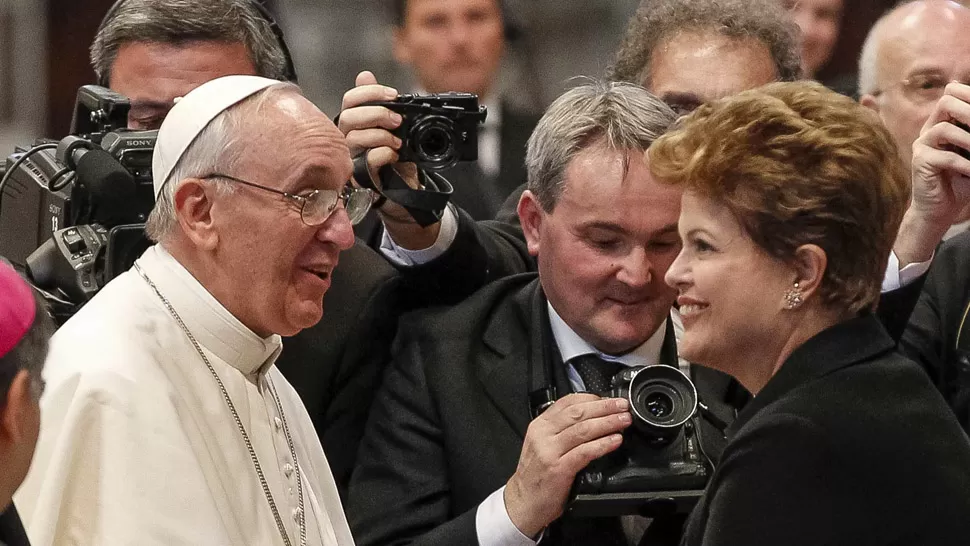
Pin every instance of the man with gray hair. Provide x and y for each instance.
(450, 455)
(153, 51)
(166, 420)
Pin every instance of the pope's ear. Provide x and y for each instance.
(194, 200)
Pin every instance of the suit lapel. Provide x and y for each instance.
(504, 365)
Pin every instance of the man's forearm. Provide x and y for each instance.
(917, 239)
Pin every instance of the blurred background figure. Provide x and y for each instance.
(458, 45)
(909, 57)
(820, 22)
(331, 42)
(25, 328)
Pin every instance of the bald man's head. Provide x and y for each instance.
(910, 55)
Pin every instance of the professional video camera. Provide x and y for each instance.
(661, 468)
(72, 212)
(438, 130)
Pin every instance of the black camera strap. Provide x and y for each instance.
(425, 205)
(544, 361)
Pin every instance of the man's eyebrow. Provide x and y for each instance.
(681, 98)
(151, 105)
(606, 226)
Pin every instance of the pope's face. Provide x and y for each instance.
(278, 268)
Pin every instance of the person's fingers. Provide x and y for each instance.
(366, 77)
(580, 456)
(585, 409)
(368, 139)
(588, 430)
(943, 136)
(950, 107)
(939, 160)
(958, 90)
(367, 93)
(377, 158)
(366, 117)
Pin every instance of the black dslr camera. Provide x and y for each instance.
(438, 130)
(661, 468)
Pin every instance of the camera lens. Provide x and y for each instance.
(433, 141)
(658, 404)
(661, 399)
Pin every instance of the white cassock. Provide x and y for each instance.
(138, 445)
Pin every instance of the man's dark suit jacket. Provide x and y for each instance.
(930, 337)
(337, 365)
(849, 443)
(12, 531)
(447, 428)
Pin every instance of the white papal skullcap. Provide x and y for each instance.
(192, 113)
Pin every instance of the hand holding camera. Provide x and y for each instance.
(561, 442)
(941, 176)
(399, 134)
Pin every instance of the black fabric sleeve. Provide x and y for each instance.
(772, 487)
(481, 253)
(896, 307)
(399, 492)
(932, 333)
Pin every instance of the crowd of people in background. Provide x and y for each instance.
(284, 366)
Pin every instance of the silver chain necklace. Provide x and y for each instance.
(301, 514)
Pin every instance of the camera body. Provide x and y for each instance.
(660, 468)
(438, 130)
(73, 210)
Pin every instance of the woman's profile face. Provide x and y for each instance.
(731, 292)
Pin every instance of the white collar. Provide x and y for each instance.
(571, 345)
(213, 326)
(494, 106)
(957, 229)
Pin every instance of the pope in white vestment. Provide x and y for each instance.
(165, 420)
(137, 443)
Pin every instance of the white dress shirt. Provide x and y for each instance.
(492, 522)
(490, 139)
(138, 445)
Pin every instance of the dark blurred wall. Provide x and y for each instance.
(71, 25)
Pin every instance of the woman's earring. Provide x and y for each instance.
(793, 297)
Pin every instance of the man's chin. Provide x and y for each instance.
(619, 337)
(306, 316)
